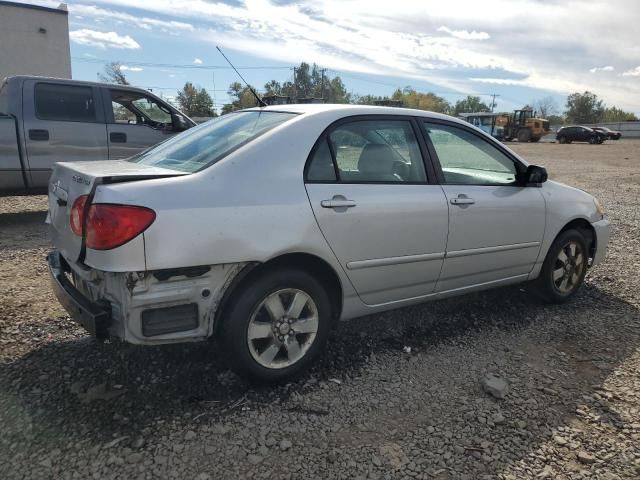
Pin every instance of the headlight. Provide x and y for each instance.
(599, 208)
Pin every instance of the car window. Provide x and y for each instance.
(467, 159)
(384, 151)
(68, 103)
(136, 108)
(204, 145)
(321, 167)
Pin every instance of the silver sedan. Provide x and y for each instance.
(264, 227)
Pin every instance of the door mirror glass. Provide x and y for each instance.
(535, 175)
(179, 123)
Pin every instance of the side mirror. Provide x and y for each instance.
(179, 123)
(534, 176)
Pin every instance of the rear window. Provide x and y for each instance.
(66, 103)
(204, 145)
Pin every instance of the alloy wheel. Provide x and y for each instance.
(568, 268)
(282, 328)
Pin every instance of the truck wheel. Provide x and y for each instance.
(524, 135)
(276, 325)
(564, 268)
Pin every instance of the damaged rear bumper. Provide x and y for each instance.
(146, 308)
(94, 317)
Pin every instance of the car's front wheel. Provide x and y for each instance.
(276, 325)
(562, 140)
(564, 268)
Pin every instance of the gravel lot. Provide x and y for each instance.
(398, 395)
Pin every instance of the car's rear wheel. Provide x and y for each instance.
(564, 268)
(276, 325)
(562, 140)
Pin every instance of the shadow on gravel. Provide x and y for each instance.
(23, 230)
(43, 395)
(22, 219)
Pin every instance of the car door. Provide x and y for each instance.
(135, 121)
(383, 219)
(62, 122)
(496, 225)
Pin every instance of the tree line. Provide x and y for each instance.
(311, 82)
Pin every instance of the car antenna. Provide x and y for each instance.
(261, 102)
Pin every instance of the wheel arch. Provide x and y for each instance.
(584, 226)
(311, 264)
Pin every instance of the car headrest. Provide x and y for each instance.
(376, 158)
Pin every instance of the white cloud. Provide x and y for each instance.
(93, 38)
(131, 69)
(146, 23)
(465, 34)
(608, 68)
(634, 72)
(499, 81)
(197, 61)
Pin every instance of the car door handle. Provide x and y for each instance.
(39, 135)
(338, 203)
(462, 200)
(118, 137)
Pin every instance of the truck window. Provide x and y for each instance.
(67, 103)
(136, 108)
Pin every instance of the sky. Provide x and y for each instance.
(520, 50)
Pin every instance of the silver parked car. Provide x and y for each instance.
(263, 227)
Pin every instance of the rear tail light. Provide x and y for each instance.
(76, 219)
(109, 226)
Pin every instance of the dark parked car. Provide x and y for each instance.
(579, 134)
(611, 134)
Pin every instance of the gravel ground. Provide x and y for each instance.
(398, 395)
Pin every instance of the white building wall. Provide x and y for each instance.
(34, 40)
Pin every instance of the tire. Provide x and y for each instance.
(524, 135)
(553, 289)
(594, 140)
(535, 139)
(262, 306)
(562, 140)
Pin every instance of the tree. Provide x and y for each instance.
(411, 98)
(113, 74)
(194, 102)
(613, 114)
(242, 98)
(272, 87)
(546, 107)
(584, 108)
(471, 104)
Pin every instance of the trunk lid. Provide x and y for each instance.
(71, 180)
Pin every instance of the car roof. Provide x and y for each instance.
(69, 81)
(346, 110)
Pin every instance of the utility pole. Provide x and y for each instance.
(493, 101)
(213, 79)
(295, 86)
(322, 84)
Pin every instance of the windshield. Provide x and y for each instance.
(205, 144)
